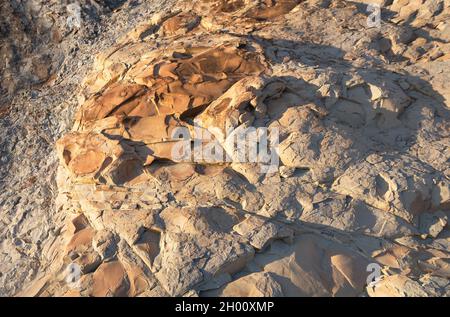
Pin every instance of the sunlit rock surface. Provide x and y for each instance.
(362, 116)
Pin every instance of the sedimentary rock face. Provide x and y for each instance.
(179, 82)
(354, 187)
(139, 115)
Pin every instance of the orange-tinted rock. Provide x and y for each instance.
(115, 97)
(87, 162)
(110, 279)
(82, 238)
(180, 23)
(78, 223)
(270, 9)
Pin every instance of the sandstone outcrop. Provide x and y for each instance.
(361, 183)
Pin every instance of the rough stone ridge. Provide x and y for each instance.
(363, 181)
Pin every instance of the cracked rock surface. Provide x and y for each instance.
(362, 115)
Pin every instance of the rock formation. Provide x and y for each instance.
(362, 185)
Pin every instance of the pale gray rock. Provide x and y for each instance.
(431, 224)
(260, 232)
(363, 120)
(401, 185)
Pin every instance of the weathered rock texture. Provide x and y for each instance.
(34, 114)
(363, 120)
